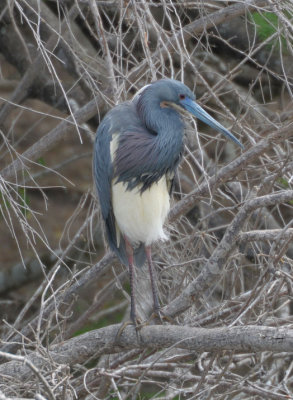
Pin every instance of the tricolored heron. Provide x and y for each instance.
(138, 147)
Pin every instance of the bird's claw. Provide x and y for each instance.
(137, 325)
(158, 315)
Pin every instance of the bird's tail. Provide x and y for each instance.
(120, 249)
(138, 253)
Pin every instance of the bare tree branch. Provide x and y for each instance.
(229, 171)
(105, 341)
(269, 234)
(212, 269)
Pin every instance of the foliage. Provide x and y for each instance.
(267, 24)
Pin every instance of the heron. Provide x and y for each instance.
(138, 147)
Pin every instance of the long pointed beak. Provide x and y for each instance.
(193, 108)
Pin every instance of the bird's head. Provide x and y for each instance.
(174, 94)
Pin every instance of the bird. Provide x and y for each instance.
(138, 147)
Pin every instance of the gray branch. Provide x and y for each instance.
(212, 269)
(105, 341)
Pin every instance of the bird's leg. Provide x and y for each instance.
(129, 252)
(157, 306)
(134, 321)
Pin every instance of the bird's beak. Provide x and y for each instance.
(193, 108)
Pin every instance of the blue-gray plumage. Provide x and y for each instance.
(138, 147)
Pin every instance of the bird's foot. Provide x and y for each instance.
(137, 324)
(157, 315)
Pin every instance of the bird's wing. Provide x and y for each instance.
(140, 159)
(109, 129)
(139, 163)
(102, 167)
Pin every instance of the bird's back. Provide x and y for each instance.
(117, 122)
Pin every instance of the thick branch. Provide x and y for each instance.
(105, 341)
(263, 235)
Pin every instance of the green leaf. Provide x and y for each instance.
(283, 182)
(41, 161)
(267, 23)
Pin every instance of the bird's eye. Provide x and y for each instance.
(181, 96)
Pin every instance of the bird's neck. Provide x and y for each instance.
(167, 125)
(170, 134)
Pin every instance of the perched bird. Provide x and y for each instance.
(138, 147)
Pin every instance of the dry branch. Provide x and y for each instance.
(104, 341)
(230, 171)
(51, 139)
(196, 28)
(212, 269)
(63, 300)
(268, 234)
(35, 71)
